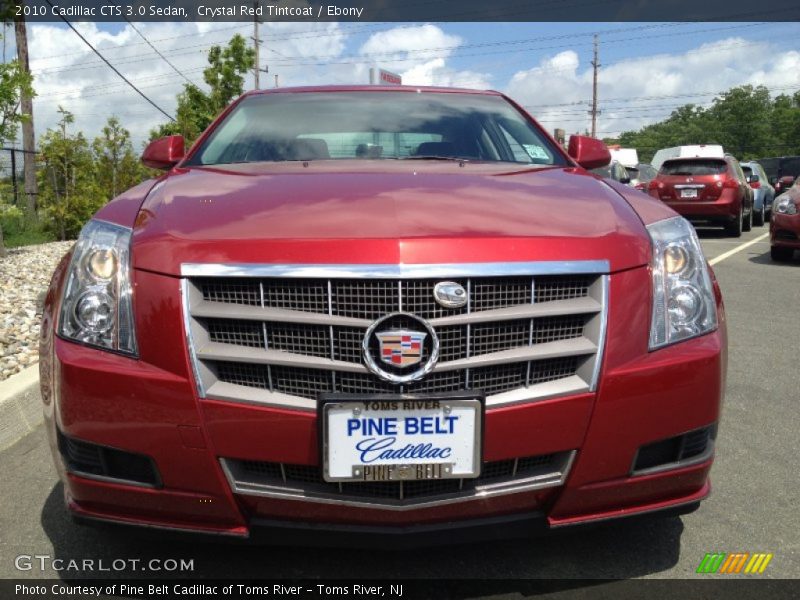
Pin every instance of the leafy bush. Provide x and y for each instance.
(20, 229)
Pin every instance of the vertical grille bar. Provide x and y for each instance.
(400, 296)
(469, 332)
(331, 333)
(530, 332)
(264, 332)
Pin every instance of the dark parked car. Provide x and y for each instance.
(709, 191)
(784, 183)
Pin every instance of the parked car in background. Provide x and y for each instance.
(780, 166)
(763, 192)
(692, 151)
(286, 336)
(709, 191)
(641, 175)
(614, 171)
(784, 227)
(784, 183)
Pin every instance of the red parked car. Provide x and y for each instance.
(712, 191)
(381, 310)
(784, 228)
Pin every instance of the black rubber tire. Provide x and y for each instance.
(734, 229)
(780, 253)
(747, 225)
(760, 217)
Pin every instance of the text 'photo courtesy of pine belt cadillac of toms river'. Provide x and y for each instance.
(366, 311)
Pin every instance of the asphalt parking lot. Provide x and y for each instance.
(752, 507)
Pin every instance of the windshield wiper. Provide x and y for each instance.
(435, 157)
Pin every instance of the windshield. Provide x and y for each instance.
(375, 125)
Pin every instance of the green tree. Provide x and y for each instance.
(69, 194)
(740, 119)
(116, 166)
(745, 120)
(225, 79)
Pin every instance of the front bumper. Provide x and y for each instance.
(150, 407)
(784, 230)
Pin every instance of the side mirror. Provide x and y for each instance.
(625, 180)
(753, 178)
(588, 152)
(164, 153)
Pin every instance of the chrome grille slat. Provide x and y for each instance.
(299, 337)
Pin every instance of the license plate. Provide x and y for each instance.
(401, 438)
(689, 193)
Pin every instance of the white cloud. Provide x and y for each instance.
(420, 54)
(559, 89)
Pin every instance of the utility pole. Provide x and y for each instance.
(594, 112)
(257, 70)
(26, 106)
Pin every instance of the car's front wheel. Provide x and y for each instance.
(760, 217)
(780, 253)
(747, 225)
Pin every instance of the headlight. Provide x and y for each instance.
(683, 297)
(786, 206)
(97, 307)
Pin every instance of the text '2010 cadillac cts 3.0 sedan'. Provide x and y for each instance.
(381, 311)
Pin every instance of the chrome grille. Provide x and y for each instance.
(305, 482)
(288, 339)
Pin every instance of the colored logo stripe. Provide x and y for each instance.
(735, 562)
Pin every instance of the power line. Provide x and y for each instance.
(112, 67)
(164, 58)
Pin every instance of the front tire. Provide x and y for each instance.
(780, 253)
(760, 217)
(735, 229)
(747, 225)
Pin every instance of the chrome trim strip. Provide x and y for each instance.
(598, 357)
(482, 492)
(190, 342)
(392, 271)
(223, 391)
(107, 479)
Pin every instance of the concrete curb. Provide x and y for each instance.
(20, 408)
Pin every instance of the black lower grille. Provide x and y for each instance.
(91, 459)
(675, 449)
(311, 480)
(785, 234)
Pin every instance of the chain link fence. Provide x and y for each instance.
(12, 179)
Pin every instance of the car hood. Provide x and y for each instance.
(388, 212)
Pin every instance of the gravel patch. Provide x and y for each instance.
(24, 277)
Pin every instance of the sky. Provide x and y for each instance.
(647, 69)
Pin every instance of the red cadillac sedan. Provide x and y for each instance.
(353, 314)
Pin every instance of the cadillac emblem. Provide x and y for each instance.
(397, 343)
(400, 348)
